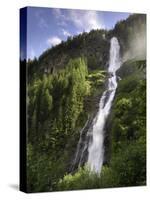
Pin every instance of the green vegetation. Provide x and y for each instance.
(56, 113)
(129, 129)
(84, 179)
(127, 166)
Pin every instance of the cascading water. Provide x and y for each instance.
(94, 146)
(96, 149)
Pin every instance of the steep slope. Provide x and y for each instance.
(94, 46)
(64, 87)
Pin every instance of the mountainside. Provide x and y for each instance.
(94, 46)
(64, 89)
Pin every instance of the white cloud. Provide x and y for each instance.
(57, 12)
(32, 53)
(41, 20)
(52, 41)
(61, 18)
(66, 33)
(82, 20)
(43, 23)
(85, 20)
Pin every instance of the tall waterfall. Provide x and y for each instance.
(94, 147)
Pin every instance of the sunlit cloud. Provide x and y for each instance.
(66, 33)
(81, 20)
(61, 18)
(52, 41)
(86, 20)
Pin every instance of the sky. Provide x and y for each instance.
(47, 27)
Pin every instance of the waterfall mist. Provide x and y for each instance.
(137, 47)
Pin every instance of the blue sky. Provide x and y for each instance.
(47, 27)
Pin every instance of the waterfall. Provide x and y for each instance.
(94, 147)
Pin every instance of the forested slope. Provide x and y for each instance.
(64, 87)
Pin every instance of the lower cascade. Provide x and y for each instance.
(95, 147)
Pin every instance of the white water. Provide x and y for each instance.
(96, 147)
